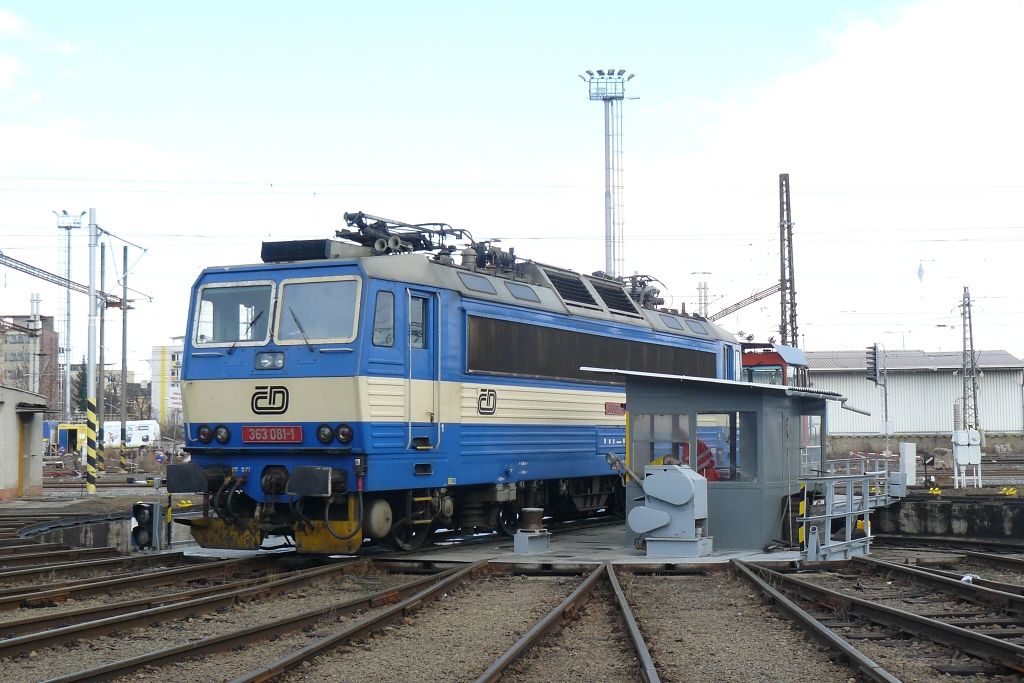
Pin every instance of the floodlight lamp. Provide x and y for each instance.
(600, 72)
(611, 72)
(582, 78)
(630, 77)
(621, 71)
(590, 73)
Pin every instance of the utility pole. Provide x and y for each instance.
(878, 373)
(123, 460)
(787, 327)
(67, 222)
(90, 427)
(101, 386)
(36, 325)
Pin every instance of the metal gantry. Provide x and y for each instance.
(787, 283)
(609, 86)
(969, 363)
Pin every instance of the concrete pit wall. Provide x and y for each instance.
(982, 519)
(839, 446)
(116, 533)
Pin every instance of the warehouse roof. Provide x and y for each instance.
(912, 359)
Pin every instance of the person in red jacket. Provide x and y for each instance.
(705, 460)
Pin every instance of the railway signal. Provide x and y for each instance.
(872, 363)
(146, 529)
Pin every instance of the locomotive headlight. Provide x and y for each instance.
(344, 433)
(204, 433)
(222, 434)
(324, 434)
(269, 360)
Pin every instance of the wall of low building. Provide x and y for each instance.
(921, 401)
(21, 445)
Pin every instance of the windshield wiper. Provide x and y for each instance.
(245, 332)
(301, 331)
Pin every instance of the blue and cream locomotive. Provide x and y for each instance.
(386, 385)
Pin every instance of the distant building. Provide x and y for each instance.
(925, 392)
(165, 385)
(17, 350)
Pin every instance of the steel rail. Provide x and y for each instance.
(976, 581)
(361, 627)
(31, 546)
(549, 623)
(941, 542)
(11, 560)
(648, 671)
(976, 644)
(168, 611)
(966, 591)
(815, 628)
(256, 633)
(129, 561)
(17, 597)
(1000, 561)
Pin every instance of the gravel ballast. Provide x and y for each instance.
(453, 639)
(716, 628)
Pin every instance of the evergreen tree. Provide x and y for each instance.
(80, 391)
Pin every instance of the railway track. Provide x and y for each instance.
(904, 623)
(272, 618)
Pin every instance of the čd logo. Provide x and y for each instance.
(269, 400)
(487, 402)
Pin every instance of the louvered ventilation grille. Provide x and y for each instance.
(571, 289)
(615, 298)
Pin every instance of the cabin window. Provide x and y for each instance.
(235, 313)
(730, 439)
(765, 374)
(318, 310)
(417, 322)
(384, 320)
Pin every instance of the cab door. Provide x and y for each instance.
(424, 370)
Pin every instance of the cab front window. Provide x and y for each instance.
(233, 314)
(318, 310)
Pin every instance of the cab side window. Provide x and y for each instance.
(384, 320)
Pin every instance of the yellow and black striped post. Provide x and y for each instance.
(802, 531)
(90, 454)
(123, 461)
(101, 464)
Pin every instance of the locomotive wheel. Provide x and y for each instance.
(409, 536)
(507, 522)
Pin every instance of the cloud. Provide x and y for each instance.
(11, 23)
(10, 68)
(901, 144)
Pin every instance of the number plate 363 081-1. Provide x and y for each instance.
(272, 434)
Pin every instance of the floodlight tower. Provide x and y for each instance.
(609, 86)
(66, 222)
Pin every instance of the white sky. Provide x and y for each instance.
(198, 131)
